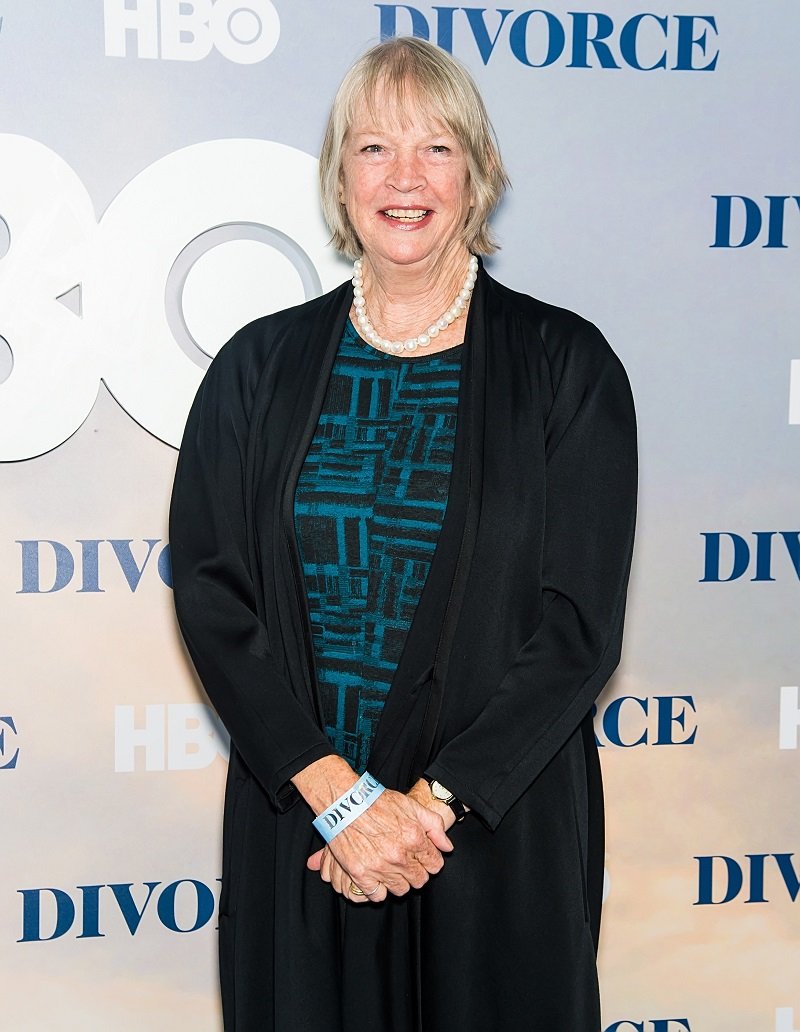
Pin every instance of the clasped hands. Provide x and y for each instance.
(393, 847)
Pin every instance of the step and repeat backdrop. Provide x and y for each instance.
(157, 191)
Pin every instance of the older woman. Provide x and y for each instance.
(401, 529)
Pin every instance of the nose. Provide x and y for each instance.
(406, 173)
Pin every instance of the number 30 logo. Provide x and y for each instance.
(198, 244)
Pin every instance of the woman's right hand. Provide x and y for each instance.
(394, 845)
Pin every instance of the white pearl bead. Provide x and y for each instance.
(411, 344)
(423, 340)
(433, 331)
(442, 323)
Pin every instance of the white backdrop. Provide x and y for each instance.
(157, 190)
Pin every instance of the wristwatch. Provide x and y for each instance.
(444, 795)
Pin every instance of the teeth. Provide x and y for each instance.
(408, 215)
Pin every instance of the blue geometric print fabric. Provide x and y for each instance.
(369, 506)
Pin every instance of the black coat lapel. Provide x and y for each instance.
(317, 356)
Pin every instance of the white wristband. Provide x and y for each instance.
(349, 806)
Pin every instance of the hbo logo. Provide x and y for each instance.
(244, 31)
(178, 736)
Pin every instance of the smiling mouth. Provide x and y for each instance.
(406, 214)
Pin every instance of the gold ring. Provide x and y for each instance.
(355, 891)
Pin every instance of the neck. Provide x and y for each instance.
(404, 300)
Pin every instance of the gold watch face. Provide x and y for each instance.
(438, 791)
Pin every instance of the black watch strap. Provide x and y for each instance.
(458, 808)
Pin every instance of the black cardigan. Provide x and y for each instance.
(517, 631)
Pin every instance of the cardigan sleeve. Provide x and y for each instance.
(214, 591)
(590, 506)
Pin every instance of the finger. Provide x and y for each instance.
(355, 894)
(314, 862)
(345, 885)
(427, 856)
(434, 828)
(431, 859)
(396, 885)
(325, 865)
(438, 837)
(375, 893)
(339, 882)
(379, 895)
(342, 878)
(418, 877)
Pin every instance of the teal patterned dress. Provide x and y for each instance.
(369, 506)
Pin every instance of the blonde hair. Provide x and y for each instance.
(409, 69)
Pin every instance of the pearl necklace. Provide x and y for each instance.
(369, 332)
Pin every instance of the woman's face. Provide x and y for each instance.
(405, 186)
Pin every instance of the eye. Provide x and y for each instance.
(372, 148)
(440, 148)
